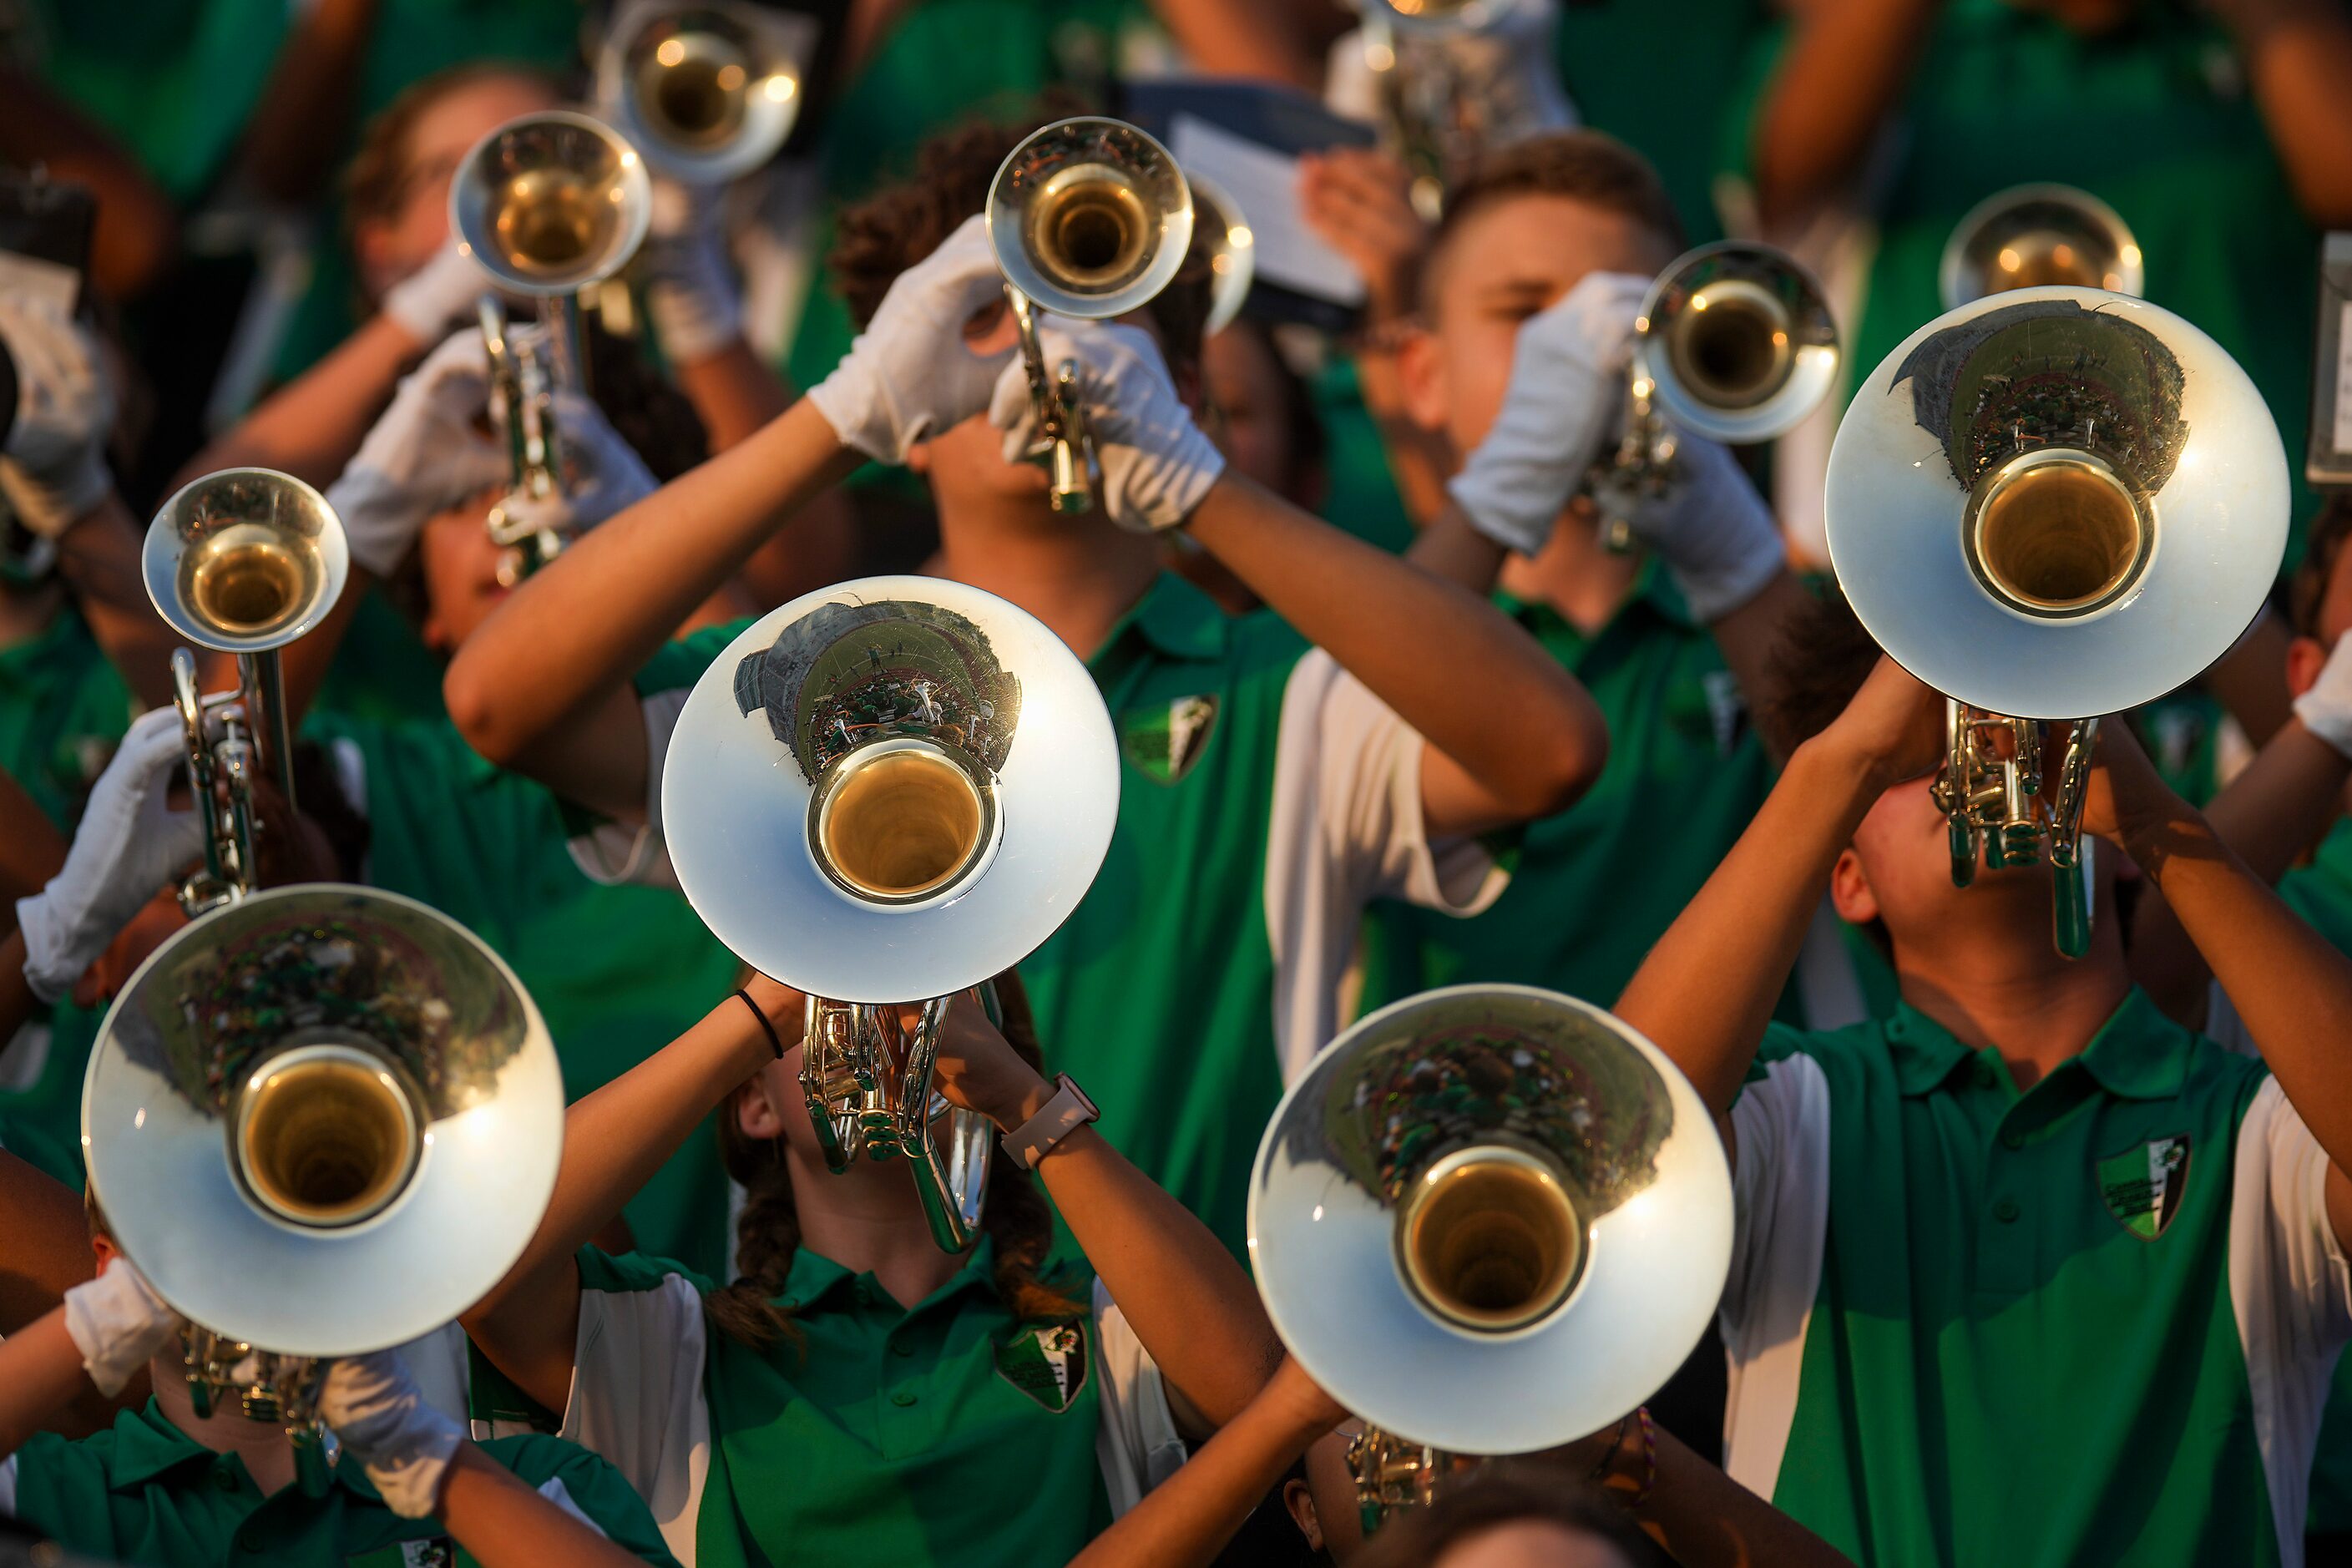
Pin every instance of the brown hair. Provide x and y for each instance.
(1822, 657)
(2306, 590)
(1501, 1492)
(1586, 166)
(1016, 1218)
(379, 175)
(881, 236)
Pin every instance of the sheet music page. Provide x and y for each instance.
(1264, 184)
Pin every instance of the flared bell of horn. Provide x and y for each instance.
(1736, 342)
(707, 89)
(551, 203)
(1490, 1219)
(245, 561)
(900, 786)
(1232, 247)
(1090, 217)
(2038, 237)
(2057, 504)
(324, 1121)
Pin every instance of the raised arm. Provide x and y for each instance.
(90, 1347)
(1842, 74)
(2298, 56)
(1708, 987)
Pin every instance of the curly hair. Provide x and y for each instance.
(900, 225)
(1016, 1219)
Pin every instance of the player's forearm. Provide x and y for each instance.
(1476, 688)
(1709, 985)
(1238, 38)
(313, 426)
(578, 629)
(40, 1375)
(2298, 56)
(1843, 71)
(32, 851)
(734, 392)
(503, 1524)
(2292, 989)
(1186, 1520)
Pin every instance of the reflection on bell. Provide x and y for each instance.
(2035, 236)
(709, 90)
(1490, 1219)
(550, 203)
(1737, 342)
(1089, 218)
(1233, 252)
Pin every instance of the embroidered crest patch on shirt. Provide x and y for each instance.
(2142, 1185)
(1164, 743)
(1048, 1365)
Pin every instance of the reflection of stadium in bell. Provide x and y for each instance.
(900, 714)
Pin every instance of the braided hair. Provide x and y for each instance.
(1016, 1219)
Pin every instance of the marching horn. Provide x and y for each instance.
(708, 89)
(2034, 236)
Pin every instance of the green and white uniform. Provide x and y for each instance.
(2092, 1322)
(1265, 799)
(948, 1433)
(144, 1491)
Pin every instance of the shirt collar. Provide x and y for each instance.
(2138, 1054)
(1174, 618)
(146, 1445)
(816, 1281)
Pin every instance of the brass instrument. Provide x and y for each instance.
(708, 89)
(1232, 249)
(1452, 79)
(902, 787)
(1089, 218)
(1489, 1219)
(2051, 504)
(1735, 344)
(241, 562)
(548, 204)
(323, 1123)
(2035, 236)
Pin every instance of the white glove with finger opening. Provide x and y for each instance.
(118, 1324)
(1563, 404)
(53, 471)
(129, 843)
(1156, 464)
(1712, 529)
(425, 452)
(373, 1407)
(438, 295)
(910, 375)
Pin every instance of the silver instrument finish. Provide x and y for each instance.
(2040, 235)
(1490, 1219)
(708, 89)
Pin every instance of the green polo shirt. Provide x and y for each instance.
(950, 1432)
(2092, 1322)
(1594, 886)
(617, 972)
(62, 709)
(2156, 118)
(142, 1491)
(1158, 994)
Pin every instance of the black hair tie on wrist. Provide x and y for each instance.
(773, 1038)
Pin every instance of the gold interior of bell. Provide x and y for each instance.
(326, 1136)
(551, 219)
(2058, 532)
(2045, 257)
(1490, 1239)
(1089, 229)
(245, 581)
(901, 822)
(693, 87)
(1729, 343)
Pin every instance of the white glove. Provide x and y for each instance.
(438, 295)
(1157, 463)
(910, 375)
(54, 470)
(601, 472)
(1712, 529)
(689, 291)
(118, 1324)
(1563, 404)
(129, 844)
(374, 1408)
(2326, 709)
(425, 453)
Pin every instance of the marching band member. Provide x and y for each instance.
(1992, 1246)
(1268, 791)
(858, 1392)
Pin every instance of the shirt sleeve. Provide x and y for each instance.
(614, 852)
(636, 1391)
(1138, 1445)
(1345, 828)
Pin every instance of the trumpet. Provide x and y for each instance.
(902, 785)
(2042, 235)
(1450, 78)
(1734, 343)
(547, 206)
(1232, 248)
(2051, 504)
(344, 1146)
(241, 562)
(708, 88)
(1088, 218)
(1489, 1219)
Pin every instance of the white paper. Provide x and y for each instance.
(1264, 184)
(2344, 380)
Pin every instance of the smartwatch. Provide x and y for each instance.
(1069, 1111)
